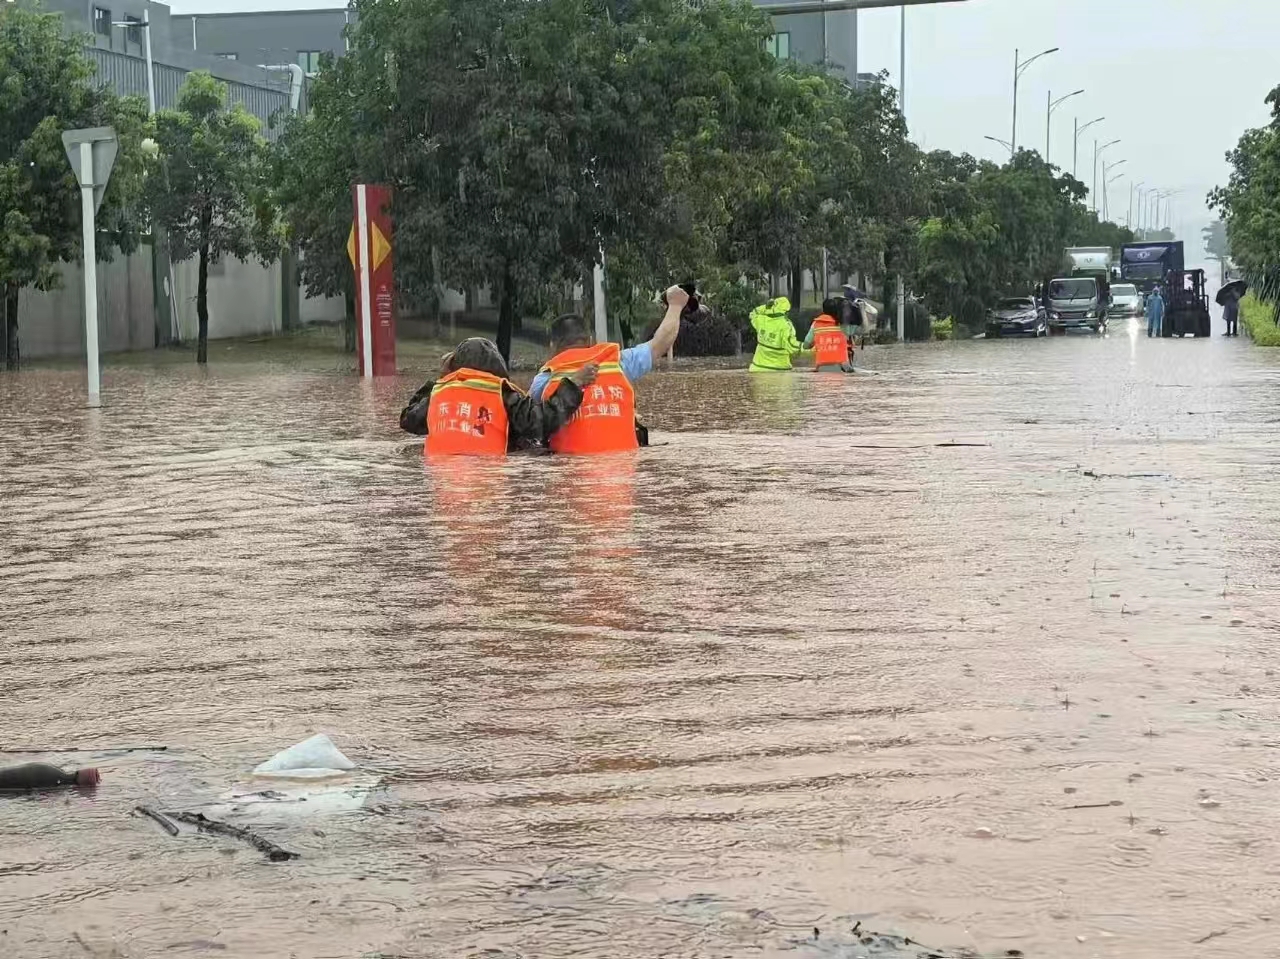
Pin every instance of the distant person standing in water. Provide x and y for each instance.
(1155, 312)
(1231, 313)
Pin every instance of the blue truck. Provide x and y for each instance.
(1146, 264)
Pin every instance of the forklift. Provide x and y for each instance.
(1186, 311)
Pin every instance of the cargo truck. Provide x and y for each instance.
(1146, 264)
(1078, 299)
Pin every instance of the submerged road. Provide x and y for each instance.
(804, 664)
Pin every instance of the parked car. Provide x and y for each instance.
(1017, 316)
(1126, 302)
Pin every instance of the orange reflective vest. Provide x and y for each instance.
(830, 345)
(466, 415)
(606, 421)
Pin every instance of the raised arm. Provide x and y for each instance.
(664, 338)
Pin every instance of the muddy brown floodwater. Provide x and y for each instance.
(797, 666)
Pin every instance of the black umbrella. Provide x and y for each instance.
(1233, 291)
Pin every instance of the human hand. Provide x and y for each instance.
(676, 297)
(586, 376)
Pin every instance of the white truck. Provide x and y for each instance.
(1080, 297)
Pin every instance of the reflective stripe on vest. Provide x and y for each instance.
(830, 346)
(606, 421)
(466, 415)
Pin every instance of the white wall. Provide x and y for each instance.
(244, 298)
(52, 324)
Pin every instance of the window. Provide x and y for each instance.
(102, 21)
(309, 60)
(133, 32)
(779, 45)
(227, 56)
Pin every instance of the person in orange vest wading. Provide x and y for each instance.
(606, 422)
(472, 408)
(831, 345)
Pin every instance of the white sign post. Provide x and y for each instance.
(91, 153)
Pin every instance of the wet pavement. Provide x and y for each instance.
(977, 648)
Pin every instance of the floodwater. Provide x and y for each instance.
(800, 665)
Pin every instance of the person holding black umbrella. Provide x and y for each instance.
(1229, 298)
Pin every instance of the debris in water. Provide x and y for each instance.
(266, 846)
(1098, 805)
(159, 817)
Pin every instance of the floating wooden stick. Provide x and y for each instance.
(159, 817)
(265, 846)
(89, 749)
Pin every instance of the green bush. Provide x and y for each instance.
(1259, 321)
(943, 329)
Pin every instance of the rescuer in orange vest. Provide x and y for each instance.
(606, 423)
(830, 342)
(472, 408)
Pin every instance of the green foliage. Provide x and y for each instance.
(994, 230)
(1259, 321)
(943, 329)
(1250, 205)
(313, 167)
(46, 87)
(512, 136)
(212, 196)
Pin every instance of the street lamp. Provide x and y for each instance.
(1097, 152)
(1075, 151)
(1106, 192)
(1048, 117)
(145, 26)
(1106, 180)
(1004, 143)
(1132, 187)
(1019, 68)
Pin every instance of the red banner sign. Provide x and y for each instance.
(369, 246)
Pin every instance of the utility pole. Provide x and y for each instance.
(1053, 105)
(1019, 68)
(1098, 151)
(1075, 152)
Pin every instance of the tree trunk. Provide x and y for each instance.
(12, 355)
(507, 310)
(202, 306)
(797, 285)
(349, 322)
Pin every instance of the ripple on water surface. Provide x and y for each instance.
(804, 664)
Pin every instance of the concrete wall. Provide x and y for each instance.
(245, 299)
(52, 324)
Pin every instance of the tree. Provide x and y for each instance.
(513, 150)
(48, 88)
(213, 198)
(1250, 205)
(995, 230)
(313, 165)
(1216, 245)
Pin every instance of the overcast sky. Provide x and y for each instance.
(1177, 80)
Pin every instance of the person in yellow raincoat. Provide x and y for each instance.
(776, 341)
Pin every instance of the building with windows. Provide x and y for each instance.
(143, 299)
(116, 44)
(266, 36)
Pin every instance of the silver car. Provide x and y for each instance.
(1126, 301)
(1017, 316)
